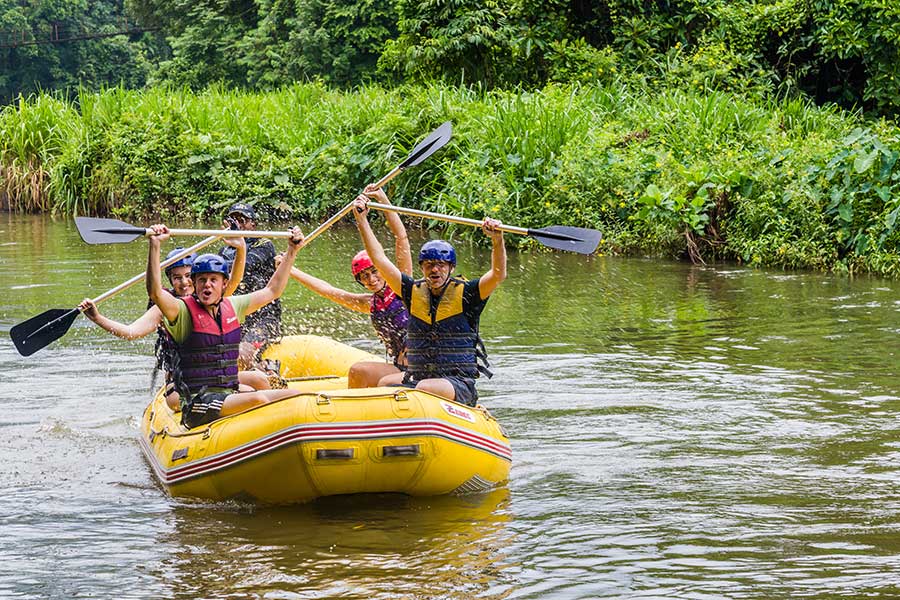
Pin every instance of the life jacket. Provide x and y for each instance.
(166, 350)
(390, 320)
(443, 342)
(209, 355)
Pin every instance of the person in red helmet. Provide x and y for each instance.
(389, 317)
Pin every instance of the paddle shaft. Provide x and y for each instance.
(186, 252)
(453, 219)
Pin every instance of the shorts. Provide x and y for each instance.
(203, 408)
(464, 388)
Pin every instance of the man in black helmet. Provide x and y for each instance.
(263, 326)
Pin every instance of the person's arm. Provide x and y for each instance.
(237, 267)
(490, 280)
(144, 325)
(402, 253)
(275, 287)
(167, 303)
(357, 302)
(386, 268)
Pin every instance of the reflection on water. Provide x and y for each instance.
(678, 432)
(378, 546)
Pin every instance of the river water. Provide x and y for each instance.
(678, 432)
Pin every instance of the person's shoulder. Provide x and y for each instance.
(472, 292)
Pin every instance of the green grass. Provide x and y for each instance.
(696, 173)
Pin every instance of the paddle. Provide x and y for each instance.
(559, 237)
(112, 231)
(436, 140)
(37, 332)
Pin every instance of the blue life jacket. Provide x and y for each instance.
(442, 342)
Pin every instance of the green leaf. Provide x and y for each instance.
(845, 211)
(863, 161)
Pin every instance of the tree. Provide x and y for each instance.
(58, 44)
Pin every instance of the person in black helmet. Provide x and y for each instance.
(444, 352)
(263, 326)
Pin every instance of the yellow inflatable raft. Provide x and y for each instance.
(328, 440)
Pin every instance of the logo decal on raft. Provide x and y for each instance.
(458, 412)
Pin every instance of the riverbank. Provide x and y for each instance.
(696, 174)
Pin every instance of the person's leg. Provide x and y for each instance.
(438, 387)
(391, 379)
(235, 403)
(256, 380)
(367, 373)
(460, 389)
(464, 390)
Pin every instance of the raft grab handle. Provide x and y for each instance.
(407, 450)
(334, 453)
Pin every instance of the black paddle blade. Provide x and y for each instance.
(107, 231)
(438, 138)
(573, 239)
(35, 333)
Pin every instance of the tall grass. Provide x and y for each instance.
(666, 171)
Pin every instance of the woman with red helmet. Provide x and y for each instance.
(389, 315)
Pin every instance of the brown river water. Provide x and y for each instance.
(677, 431)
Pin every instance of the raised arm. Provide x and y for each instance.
(402, 253)
(167, 303)
(357, 302)
(275, 287)
(490, 280)
(388, 270)
(144, 325)
(237, 267)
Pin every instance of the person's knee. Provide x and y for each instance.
(390, 379)
(255, 379)
(358, 375)
(439, 387)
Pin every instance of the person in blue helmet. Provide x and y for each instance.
(206, 328)
(444, 350)
(179, 276)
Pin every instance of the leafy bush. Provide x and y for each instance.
(703, 175)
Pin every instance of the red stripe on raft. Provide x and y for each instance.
(343, 431)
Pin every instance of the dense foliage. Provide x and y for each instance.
(704, 175)
(833, 50)
(698, 128)
(60, 44)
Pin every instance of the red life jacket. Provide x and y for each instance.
(209, 354)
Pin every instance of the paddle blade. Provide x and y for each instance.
(35, 333)
(107, 231)
(572, 239)
(436, 140)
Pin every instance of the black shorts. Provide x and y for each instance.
(203, 408)
(463, 387)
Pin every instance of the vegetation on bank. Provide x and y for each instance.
(836, 51)
(699, 173)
